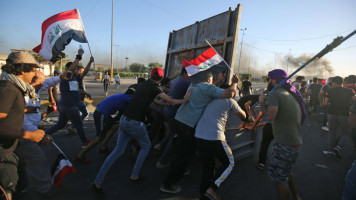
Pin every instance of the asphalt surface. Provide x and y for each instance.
(317, 176)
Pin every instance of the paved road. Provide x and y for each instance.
(245, 182)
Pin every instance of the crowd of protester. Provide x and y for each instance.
(175, 118)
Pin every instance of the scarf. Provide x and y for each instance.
(279, 75)
(25, 88)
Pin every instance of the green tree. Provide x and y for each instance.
(137, 67)
(153, 65)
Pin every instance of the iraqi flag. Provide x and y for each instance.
(60, 168)
(204, 61)
(58, 31)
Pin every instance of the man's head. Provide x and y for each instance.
(130, 91)
(22, 65)
(274, 77)
(351, 79)
(219, 77)
(157, 74)
(37, 80)
(80, 69)
(57, 72)
(337, 81)
(315, 80)
(247, 78)
(300, 78)
(184, 73)
(140, 80)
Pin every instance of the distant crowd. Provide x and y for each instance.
(175, 116)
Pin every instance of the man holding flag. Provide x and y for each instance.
(200, 71)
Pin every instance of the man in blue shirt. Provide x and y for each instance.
(68, 104)
(104, 123)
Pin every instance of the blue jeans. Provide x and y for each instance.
(128, 129)
(83, 109)
(350, 183)
(69, 113)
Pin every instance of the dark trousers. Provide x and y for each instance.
(266, 140)
(69, 113)
(208, 151)
(183, 150)
(106, 84)
(313, 103)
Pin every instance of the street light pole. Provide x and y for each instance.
(117, 56)
(112, 30)
(243, 33)
(126, 61)
(288, 60)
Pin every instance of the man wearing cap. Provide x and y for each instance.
(29, 152)
(285, 109)
(18, 72)
(340, 99)
(131, 125)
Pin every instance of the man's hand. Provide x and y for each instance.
(80, 51)
(47, 140)
(251, 119)
(35, 136)
(235, 79)
(31, 109)
(91, 59)
(262, 98)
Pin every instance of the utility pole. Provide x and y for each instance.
(112, 31)
(288, 59)
(243, 33)
(117, 56)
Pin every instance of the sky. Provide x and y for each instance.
(276, 30)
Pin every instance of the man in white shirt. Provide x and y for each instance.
(117, 80)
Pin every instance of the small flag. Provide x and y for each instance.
(204, 61)
(58, 31)
(60, 168)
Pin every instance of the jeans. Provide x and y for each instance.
(350, 183)
(69, 113)
(336, 138)
(84, 112)
(128, 129)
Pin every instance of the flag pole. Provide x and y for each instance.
(337, 41)
(54, 144)
(85, 33)
(217, 52)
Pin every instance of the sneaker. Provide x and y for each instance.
(325, 128)
(84, 145)
(173, 189)
(260, 166)
(96, 189)
(186, 172)
(160, 165)
(71, 131)
(337, 152)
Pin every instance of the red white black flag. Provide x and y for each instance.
(58, 31)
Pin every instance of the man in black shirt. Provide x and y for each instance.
(132, 127)
(340, 100)
(313, 91)
(246, 87)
